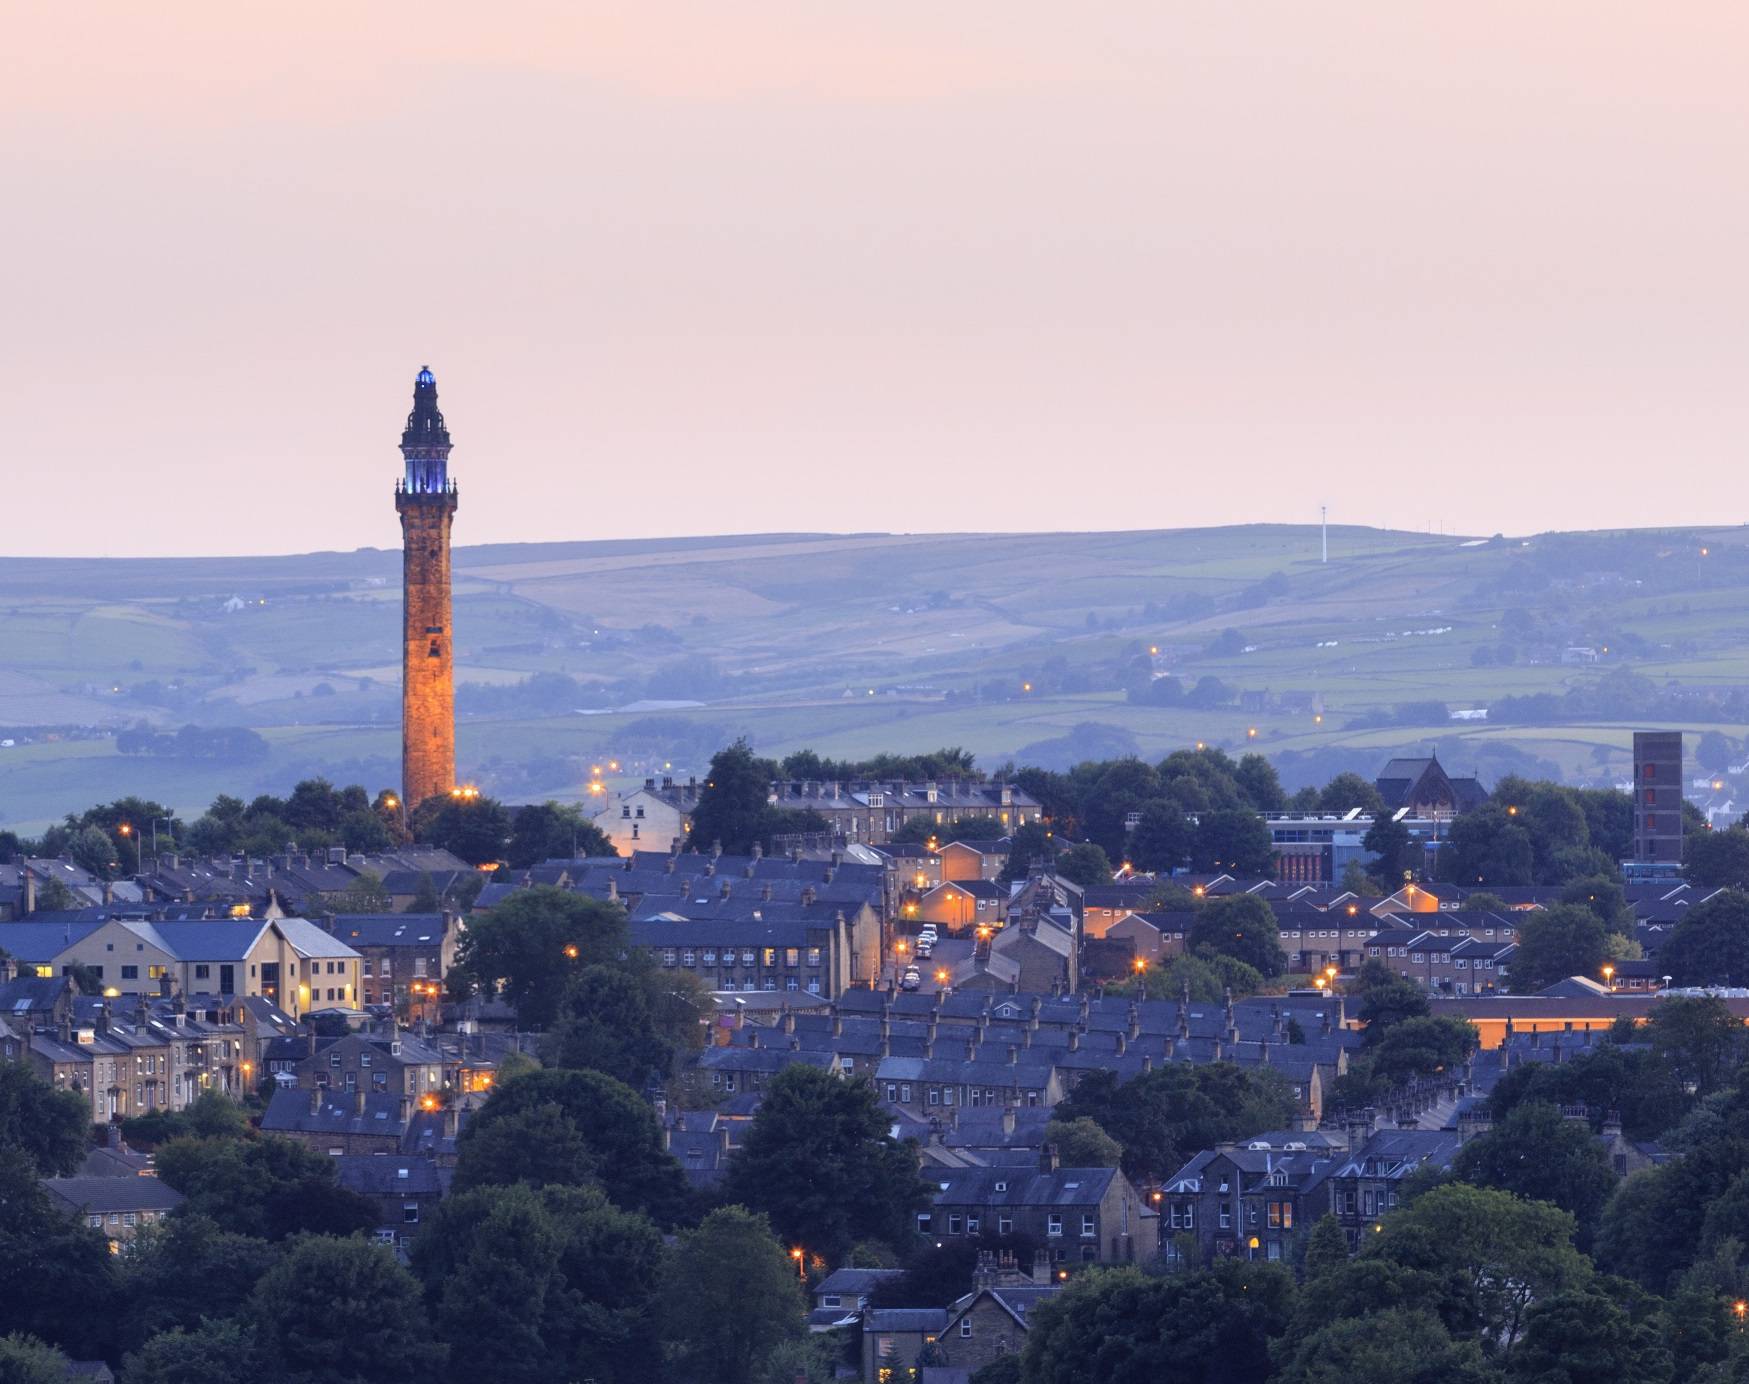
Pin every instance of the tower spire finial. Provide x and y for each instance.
(425, 440)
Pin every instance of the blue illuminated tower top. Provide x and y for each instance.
(425, 442)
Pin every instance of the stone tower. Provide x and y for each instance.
(425, 498)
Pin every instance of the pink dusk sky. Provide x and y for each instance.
(744, 265)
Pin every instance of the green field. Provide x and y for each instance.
(782, 638)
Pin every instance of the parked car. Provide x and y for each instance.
(911, 979)
(925, 947)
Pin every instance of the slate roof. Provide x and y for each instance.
(289, 1112)
(1012, 1187)
(114, 1162)
(101, 1195)
(383, 1175)
(929, 1320)
(1395, 1153)
(684, 932)
(37, 942)
(701, 1155)
(853, 1283)
(30, 995)
(388, 929)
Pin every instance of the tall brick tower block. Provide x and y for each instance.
(425, 498)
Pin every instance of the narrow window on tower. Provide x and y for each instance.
(436, 650)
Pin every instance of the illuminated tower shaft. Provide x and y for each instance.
(425, 498)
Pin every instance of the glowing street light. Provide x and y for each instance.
(801, 1262)
(1609, 976)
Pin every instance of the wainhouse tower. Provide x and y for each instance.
(425, 498)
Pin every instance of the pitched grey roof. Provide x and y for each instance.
(1013, 1187)
(388, 929)
(335, 1112)
(894, 1319)
(849, 1282)
(38, 943)
(380, 1175)
(101, 1195)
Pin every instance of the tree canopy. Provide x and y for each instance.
(1242, 927)
(731, 1295)
(861, 1183)
(530, 946)
(559, 1127)
(1161, 1117)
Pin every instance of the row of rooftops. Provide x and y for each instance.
(293, 879)
(61, 1026)
(375, 1114)
(1305, 1161)
(963, 796)
(1019, 1042)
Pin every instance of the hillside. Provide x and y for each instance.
(650, 653)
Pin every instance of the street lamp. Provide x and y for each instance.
(1609, 976)
(801, 1262)
(127, 829)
